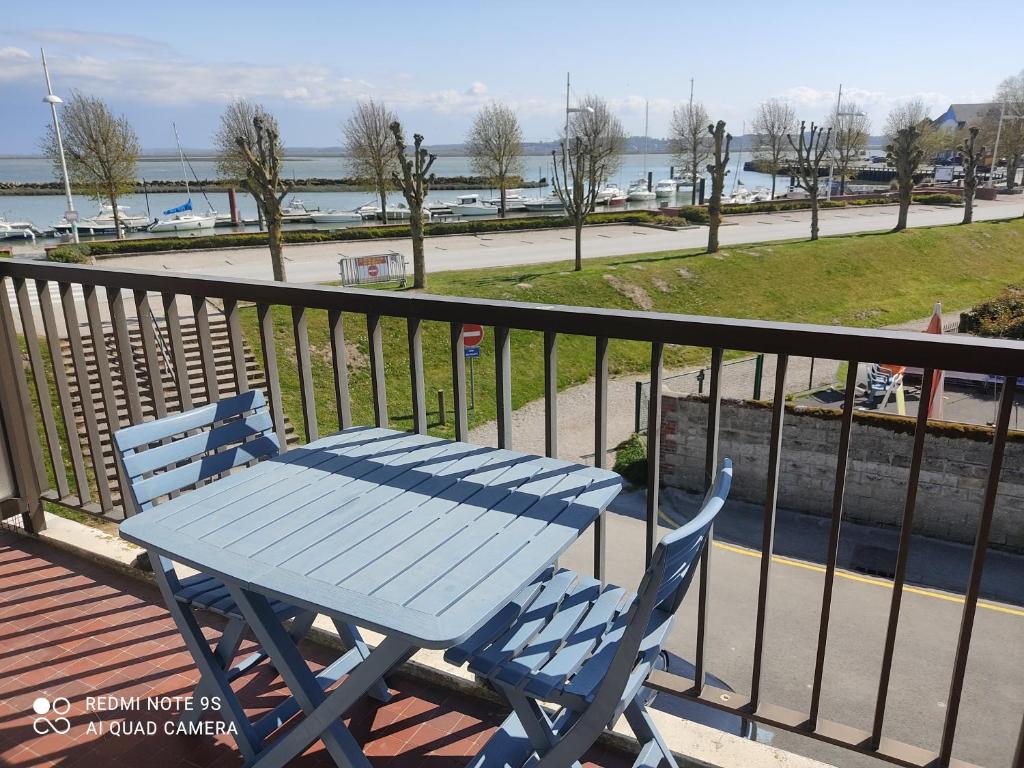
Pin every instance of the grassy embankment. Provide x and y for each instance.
(862, 280)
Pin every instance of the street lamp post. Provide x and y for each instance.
(832, 152)
(995, 150)
(53, 101)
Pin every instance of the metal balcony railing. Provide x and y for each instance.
(31, 280)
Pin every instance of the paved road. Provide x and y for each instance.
(994, 691)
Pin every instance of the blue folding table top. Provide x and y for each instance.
(406, 534)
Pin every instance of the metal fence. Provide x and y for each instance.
(116, 385)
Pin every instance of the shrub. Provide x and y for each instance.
(631, 459)
(1002, 317)
(69, 254)
(938, 198)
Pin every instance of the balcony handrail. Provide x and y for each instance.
(961, 353)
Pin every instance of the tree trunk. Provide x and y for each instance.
(501, 183)
(774, 176)
(1011, 173)
(814, 216)
(969, 187)
(276, 244)
(117, 216)
(693, 190)
(714, 220)
(383, 203)
(419, 264)
(905, 194)
(579, 246)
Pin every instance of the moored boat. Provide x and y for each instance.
(336, 217)
(473, 205)
(102, 223)
(16, 230)
(548, 203)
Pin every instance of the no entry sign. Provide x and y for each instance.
(472, 335)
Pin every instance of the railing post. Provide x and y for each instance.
(20, 489)
(636, 406)
(758, 373)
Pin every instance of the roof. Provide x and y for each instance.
(959, 115)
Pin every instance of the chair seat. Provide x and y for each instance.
(208, 592)
(562, 639)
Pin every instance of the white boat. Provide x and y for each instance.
(336, 217)
(473, 205)
(607, 193)
(396, 212)
(16, 230)
(638, 192)
(102, 223)
(515, 200)
(740, 196)
(665, 188)
(549, 203)
(183, 218)
(297, 211)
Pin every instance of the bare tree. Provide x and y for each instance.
(971, 152)
(1010, 95)
(237, 120)
(688, 137)
(102, 150)
(850, 132)
(718, 170)
(910, 137)
(262, 152)
(588, 156)
(775, 120)
(810, 148)
(495, 145)
(413, 183)
(370, 147)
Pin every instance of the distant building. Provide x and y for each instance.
(957, 118)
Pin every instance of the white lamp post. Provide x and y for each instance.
(832, 152)
(53, 101)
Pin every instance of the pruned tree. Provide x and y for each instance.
(720, 141)
(910, 138)
(102, 150)
(811, 148)
(370, 147)
(261, 149)
(971, 152)
(495, 146)
(688, 138)
(586, 157)
(775, 120)
(1010, 95)
(413, 183)
(850, 132)
(237, 120)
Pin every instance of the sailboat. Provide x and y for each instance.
(638, 191)
(183, 218)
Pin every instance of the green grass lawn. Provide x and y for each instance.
(861, 280)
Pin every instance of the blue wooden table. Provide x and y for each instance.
(420, 539)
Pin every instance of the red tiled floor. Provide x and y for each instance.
(69, 628)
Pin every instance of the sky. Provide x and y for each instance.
(436, 63)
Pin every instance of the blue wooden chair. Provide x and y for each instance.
(162, 458)
(586, 649)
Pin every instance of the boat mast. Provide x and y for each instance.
(736, 178)
(647, 115)
(181, 157)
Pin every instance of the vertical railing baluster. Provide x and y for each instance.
(238, 364)
(551, 394)
(42, 387)
(125, 355)
(963, 643)
(458, 348)
(600, 448)
(110, 406)
(84, 383)
(503, 384)
(202, 315)
(178, 362)
(768, 524)
(375, 341)
(147, 331)
(832, 553)
(269, 347)
(60, 378)
(300, 329)
(35, 449)
(419, 394)
(900, 572)
(654, 449)
(710, 469)
(339, 357)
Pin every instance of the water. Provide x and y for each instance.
(44, 210)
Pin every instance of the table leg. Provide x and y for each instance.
(352, 639)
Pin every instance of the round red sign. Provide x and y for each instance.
(472, 335)
(372, 270)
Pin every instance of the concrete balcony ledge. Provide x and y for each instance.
(693, 744)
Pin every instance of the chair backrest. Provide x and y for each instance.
(176, 452)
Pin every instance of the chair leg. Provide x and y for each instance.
(351, 637)
(646, 731)
(540, 730)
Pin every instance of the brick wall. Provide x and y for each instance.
(952, 481)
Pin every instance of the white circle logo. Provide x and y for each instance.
(42, 706)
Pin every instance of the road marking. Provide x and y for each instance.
(851, 576)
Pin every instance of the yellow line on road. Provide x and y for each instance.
(853, 576)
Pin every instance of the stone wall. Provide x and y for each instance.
(953, 471)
